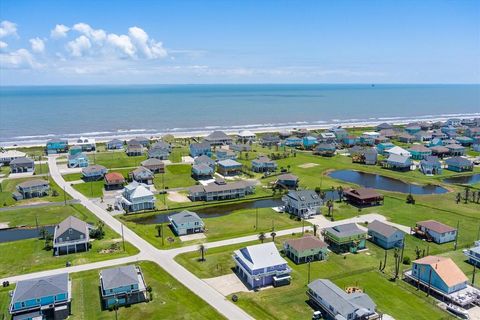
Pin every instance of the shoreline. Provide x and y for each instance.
(230, 130)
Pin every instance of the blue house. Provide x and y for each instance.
(435, 142)
(115, 144)
(419, 151)
(202, 171)
(397, 162)
(449, 130)
(473, 254)
(350, 141)
(94, 172)
(229, 167)
(309, 142)
(459, 164)
(200, 149)
(41, 297)
(78, 160)
(436, 231)
(186, 222)
(431, 165)
(263, 164)
(412, 129)
(384, 146)
(340, 133)
(122, 286)
(293, 141)
(325, 149)
(205, 159)
(464, 141)
(56, 146)
(223, 154)
(261, 265)
(440, 272)
(385, 235)
(158, 153)
(288, 181)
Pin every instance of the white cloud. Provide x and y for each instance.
(3, 45)
(97, 35)
(19, 59)
(7, 28)
(122, 44)
(149, 48)
(38, 45)
(60, 31)
(79, 47)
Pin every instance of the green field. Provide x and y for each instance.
(176, 176)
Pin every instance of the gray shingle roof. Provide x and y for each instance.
(217, 135)
(398, 159)
(71, 222)
(40, 287)
(33, 183)
(345, 230)
(93, 168)
(21, 161)
(303, 195)
(382, 228)
(118, 277)
(185, 217)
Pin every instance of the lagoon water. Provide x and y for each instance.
(35, 114)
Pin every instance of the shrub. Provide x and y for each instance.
(406, 260)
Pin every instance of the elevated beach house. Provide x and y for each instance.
(305, 249)
(263, 164)
(436, 231)
(364, 155)
(94, 172)
(245, 136)
(206, 160)
(345, 238)
(122, 286)
(136, 197)
(229, 167)
(114, 144)
(325, 149)
(162, 145)
(385, 235)
(384, 126)
(363, 197)
(464, 141)
(309, 142)
(261, 265)
(224, 154)
(293, 141)
(186, 222)
(154, 165)
(158, 153)
(459, 164)
(287, 181)
(71, 236)
(218, 138)
(340, 305)
(86, 144)
(419, 151)
(406, 137)
(220, 190)
(56, 146)
(473, 254)
(113, 181)
(134, 149)
(141, 175)
(455, 150)
(384, 146)
(200, 149)
(23, 164)
(144, 142)
(440, 273)
(202, 171)
(268, 140)
(78, 160)
(31, 189)
(302, 203)
(397, 162)
(340, 133)
(6, 156)
(42, 298)
(439, 151)
(431, 165)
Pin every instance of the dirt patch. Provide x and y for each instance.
(308, 165)
(175, 196)
(3, 225)
(227, 284)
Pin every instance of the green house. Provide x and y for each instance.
(308, 248)
(346, 238)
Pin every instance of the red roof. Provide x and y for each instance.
(435, 226)
(306, 243)
(114, 177)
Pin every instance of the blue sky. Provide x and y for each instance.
(121, 42)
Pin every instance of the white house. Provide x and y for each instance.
(136, 197)
(439, 232)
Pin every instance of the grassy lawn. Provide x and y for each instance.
(29, 255)
(170, 299)
(176, 176)
(116, 159)
(90, 189)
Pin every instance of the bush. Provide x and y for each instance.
(406, 260)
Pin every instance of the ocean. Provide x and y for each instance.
(30, 115)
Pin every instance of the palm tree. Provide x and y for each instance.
(159, 228)
(262, 237)
(458, 198)
(202, 250)
(273, 235)
(150, 294)
(315, 228)
(340, 193)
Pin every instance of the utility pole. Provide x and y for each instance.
(473, 275)
(429, 281)
(303, 226)
(309, 261)
(256, 219)
(456, 235)
(163, 242)
(123, 238)
(64, 196)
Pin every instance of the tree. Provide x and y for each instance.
(150, 293)
(273, 235)
(43, 233)
(262, 237)
(410, 199)
(467, 194)
(159, 228)
(202, 249)
(315, 228)
(340, 193)
(458, 198)
(318, 190)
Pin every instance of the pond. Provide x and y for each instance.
(371, 180)
(470, 179)
(15, 234)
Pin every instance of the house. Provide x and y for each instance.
(186, 222)
(464, 141)
(240, 147)
(340, 133)
(437, 135)
(446, 142)
(113, 181)
(385, 235)
(340, 305)
(93, 172)
(6, 156)
(229, 167)
(398, 151)
(439, 151)
(202, 171)
(154, 165)
(436, 231)
(309, 142)
(455, 122)
(368, 138)
(412, 129)
(31, 189)
(293, 141)
(246, 136)
(406, 137)
(71, 236)
(305, 249)
(440, 273)
(431, 165)
(459, 164)
(389, 133)
(397, 162)
(419, 151)
(205, 160)
(450, 131)
(302, 203)
(75, 150)
(264, 164)
(261, 265)
(301, 132)
(325, 149)
(473, 254)
(383, 126)
(455, 150)
(287, 181)
(78, 160)
(134, 149)
(144, 142)
(472, 132)
(46, 297)
(218, 138)
(158, 153)
(19, 165)
(87, 144)
(364, 155)
(384, 146)
(219, 190)
(56, 146)
(423, 136)
(162, 145)
(284, 134)
(122, 286)
(136, 197)
(435, 142)
(268, 140)
(345, 238)
(200, 149)
(115, 144)
(363, 197)
(381, 139)
(141, 175)
(223, 154)
(350, 141)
